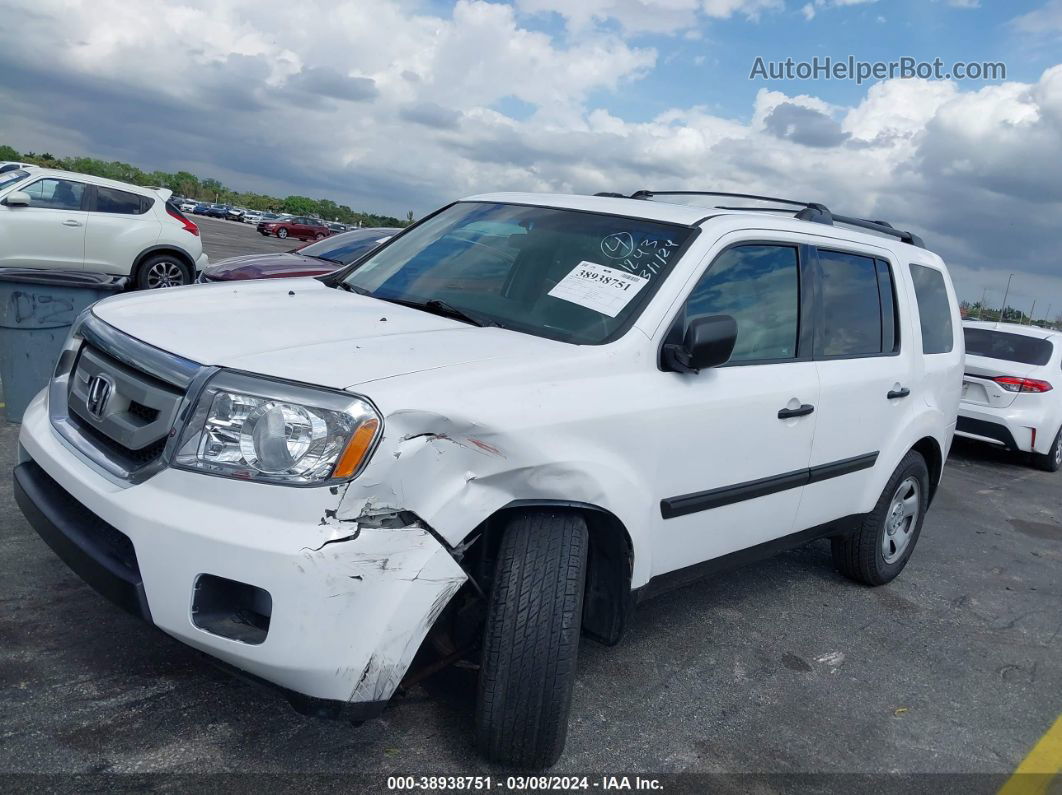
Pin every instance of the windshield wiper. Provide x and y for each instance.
(437, 307)
(325, 259)
(443, 308)
(353, 288)
(432, 305)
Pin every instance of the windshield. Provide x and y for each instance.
(1009, 347)
(10, 177)
(564, 274)
(347, 247)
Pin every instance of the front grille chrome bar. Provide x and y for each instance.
(185, 376)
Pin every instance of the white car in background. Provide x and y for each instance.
(187, 206)
(53, 219)
(11, 165)
(1008, 394)
(253, 217)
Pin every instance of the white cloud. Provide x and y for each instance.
(964, 3)
(647, 16)
(808, 11)
(1045, 20)
(390, 107)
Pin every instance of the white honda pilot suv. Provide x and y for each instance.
(498, 431)
(53, 219)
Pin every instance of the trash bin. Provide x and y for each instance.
(37, 309)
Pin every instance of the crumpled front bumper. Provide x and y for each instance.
(351, 600)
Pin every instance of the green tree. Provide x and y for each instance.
(212, 189)
(186, 184)
(299, 205)
(9, 153)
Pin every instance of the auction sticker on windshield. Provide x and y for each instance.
(598, 287)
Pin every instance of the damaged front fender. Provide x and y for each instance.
(387, 577)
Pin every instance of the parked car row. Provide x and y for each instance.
(281, 225)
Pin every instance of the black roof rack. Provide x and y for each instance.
(810, 211)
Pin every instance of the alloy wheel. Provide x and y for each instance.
(165, 273)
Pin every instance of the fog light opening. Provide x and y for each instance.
(231, 609)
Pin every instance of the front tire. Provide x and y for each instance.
(878, 551)
(1051, 461)
(160, 271)
(531, 640)
(282, 233)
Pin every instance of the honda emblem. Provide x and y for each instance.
(99, 392)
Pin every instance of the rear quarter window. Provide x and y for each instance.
(120, 202)
(934, 311)
(1006, 346)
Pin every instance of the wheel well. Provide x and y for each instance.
(930, 451)
(155, 252)
(607, 602)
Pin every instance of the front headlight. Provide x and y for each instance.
(257, 429)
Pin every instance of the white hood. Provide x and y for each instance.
(302, 330)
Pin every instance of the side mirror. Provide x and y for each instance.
(709, 341)
(17, 198)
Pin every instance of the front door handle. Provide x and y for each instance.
(71, 222)
(898, 393)
(803, 411)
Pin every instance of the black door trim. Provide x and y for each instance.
(671, 507)
(845, 466)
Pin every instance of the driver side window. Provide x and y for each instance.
(55, 194)
(757, 285)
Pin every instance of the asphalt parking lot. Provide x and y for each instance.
(222, 239)
(780, 667)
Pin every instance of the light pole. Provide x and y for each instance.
(1032, 311)
(1003, 309)
(981, 306)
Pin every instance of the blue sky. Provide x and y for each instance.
(713, 70)
(392, 105)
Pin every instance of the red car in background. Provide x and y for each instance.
(315, 259)
(299, 227)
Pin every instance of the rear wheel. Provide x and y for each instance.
(876, 552)
(1051, 461)
(164, 270)
(282, 233)
(318, 236)
(531, 640)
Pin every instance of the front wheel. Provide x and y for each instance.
(318, 236)
(879, 549)
(1051, 461)
(162, 271)
(531, 640)
(282, 233)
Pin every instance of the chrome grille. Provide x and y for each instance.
(119, 402)
(131, 397)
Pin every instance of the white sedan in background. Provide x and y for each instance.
(1009, 394)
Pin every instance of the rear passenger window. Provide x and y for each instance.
(934, 311)
(759, 287)
(119, 202)
(858, 307)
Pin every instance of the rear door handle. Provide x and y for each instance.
(71, 222)
(898, 393)
(803, 411)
